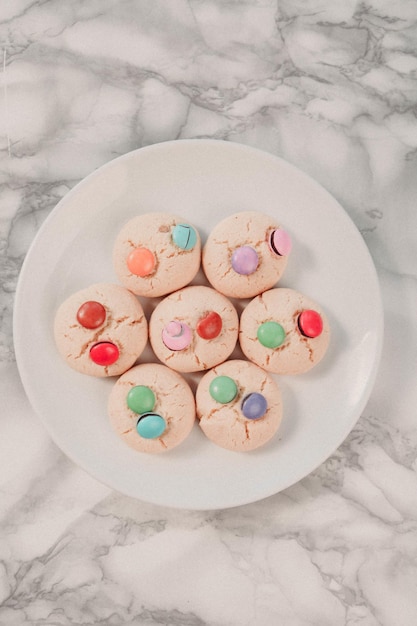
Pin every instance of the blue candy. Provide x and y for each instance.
(254, 406)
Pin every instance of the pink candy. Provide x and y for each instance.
(280, 242)
(176, 336)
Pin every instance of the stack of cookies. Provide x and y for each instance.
(194, 328)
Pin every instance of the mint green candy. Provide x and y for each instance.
(150, 426)
(141, 399)
(184, 236)
(223, 389)
(271, 334)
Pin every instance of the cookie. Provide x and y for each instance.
(246, 254)
(284, 331)
(101, 330)
(156, 253)
(152, 408)
(239, 406)
(193, 329)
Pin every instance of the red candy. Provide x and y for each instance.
(91, 314)
(104, 353)
(210, 326)
(310, 323)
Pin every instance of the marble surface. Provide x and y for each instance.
(329, 85)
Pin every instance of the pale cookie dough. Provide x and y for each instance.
(245, 254)
(101, 330)
(193, 329)
(296, 353)
(156, 253)
(225, 423)
(159, 394)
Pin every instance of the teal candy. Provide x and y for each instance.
(184, 236)
(141, 399)
(151, 426)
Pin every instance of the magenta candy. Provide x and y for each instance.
(245, 260)
(280, 242)
(176, 336)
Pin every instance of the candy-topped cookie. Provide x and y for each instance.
(193, 329)
(152, 408)
(101, 330)
(156, 253)
(284, 332)
(239, 406)
(245, 254)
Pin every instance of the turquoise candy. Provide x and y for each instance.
(141, 399)
(151, 426)
(184, 236)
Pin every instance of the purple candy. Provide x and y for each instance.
(245, 260)
(254, 406)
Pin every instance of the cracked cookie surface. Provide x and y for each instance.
(124, 328)
(192, 307)
(297, 353)
(156, 253)
(225, 424)
(238, 258)
(174, 402)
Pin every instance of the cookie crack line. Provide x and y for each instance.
(95, 338)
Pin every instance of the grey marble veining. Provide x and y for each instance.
(331, 86)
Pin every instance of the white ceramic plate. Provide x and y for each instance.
(203, 181)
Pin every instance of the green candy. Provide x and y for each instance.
(271, 334)
(223, 389)
(151, 426)
(184, 236)
(141, 399)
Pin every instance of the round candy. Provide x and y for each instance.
(245, 260)
(141, 399)
(209, 326)
(254, 406)
(104, 353)
(176, 336)
(184, 236)
(310, 323)
(91, 314)
(150, 426)
(271, 334)
(223, 389)
(280, 242)
(141, 262)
